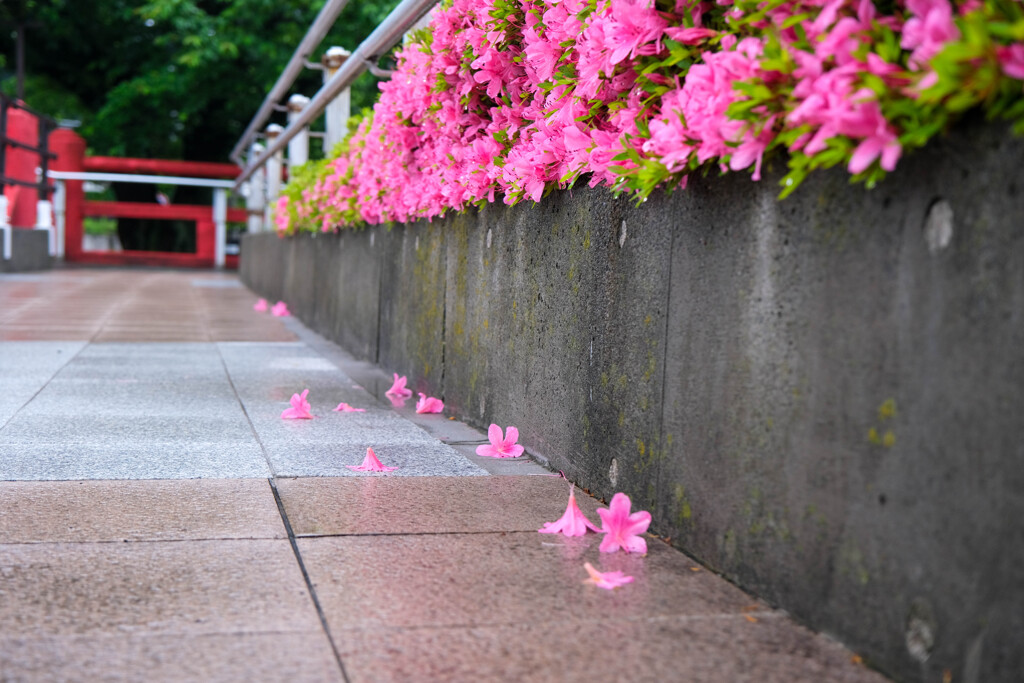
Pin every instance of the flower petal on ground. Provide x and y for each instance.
(280, 310)
(622, 529)
(398, 388)
(501, 446)
(300, 409)
(260, 306)
(606, 580)
(371, 464)
(429, 404)
(573, 522)
(346, 408)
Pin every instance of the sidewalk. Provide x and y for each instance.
(160, 521)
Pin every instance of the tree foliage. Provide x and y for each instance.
(168, 78)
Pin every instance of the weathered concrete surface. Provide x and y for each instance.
(817, 397)
(29, 251)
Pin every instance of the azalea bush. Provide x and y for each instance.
(511, 99)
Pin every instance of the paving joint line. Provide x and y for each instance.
(272, 481)
(307, 579)
(85, 345)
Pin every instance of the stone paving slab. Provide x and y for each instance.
(382, 505)
(490, 579)
(266, 376)
(703, 649)
(194, 587)
(125, 460)
(26, 367)
(89, 511)
(412, 458)
(292, 657)
(131, 398)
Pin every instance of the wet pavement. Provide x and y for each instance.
(160, 521)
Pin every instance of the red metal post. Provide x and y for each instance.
(21, 165)
(69, 147)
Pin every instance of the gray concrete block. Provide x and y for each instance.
(554, 326)
(412, 300)
(348, 292)
(840, 396)
(30, 250)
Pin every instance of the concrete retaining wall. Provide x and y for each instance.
(821, 398)
(29, 251)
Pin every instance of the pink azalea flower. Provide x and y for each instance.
(280, 310)
(606, 580)
(398, 401)
(260, 306)
(300, 408)
(1011, 58)
(429, 404)
(501, 446)
(689, 36)
(371, 464)
(621, 528)
(573, 522)
(398, 388)
(346, 408)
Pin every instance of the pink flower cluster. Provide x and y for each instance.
(512, 98)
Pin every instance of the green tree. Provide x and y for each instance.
(169, 78)
(176, 79)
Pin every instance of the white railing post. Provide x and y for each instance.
(339, 110)
(255, 193)
(274, 164)
(220, 224)
(298, 146)
(44, 221)
(5, 226)
(59, 206)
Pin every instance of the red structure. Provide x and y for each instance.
(70, 150)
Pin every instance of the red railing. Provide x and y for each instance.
(70, 149)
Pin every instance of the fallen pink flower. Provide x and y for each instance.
(300, 408)
(501, 446)
(280, 309)
(371, 464)
(621, 528)
(260, 306)
(398, 401)
(346, 408)
(606, 580)
(429, 404)
(573, 522)
(398, 388)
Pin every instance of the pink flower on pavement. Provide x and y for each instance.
(501, 446)
(260, 306)
(346, 408)
(371, 464)
(429, 404)
(606, 580)
(398, 388)
(398, 401)
(621, 528)
(300, 408)
(280, 310)
(573, 522)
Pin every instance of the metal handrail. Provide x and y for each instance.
(139, 178)
(314, 36)
(383, 38)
